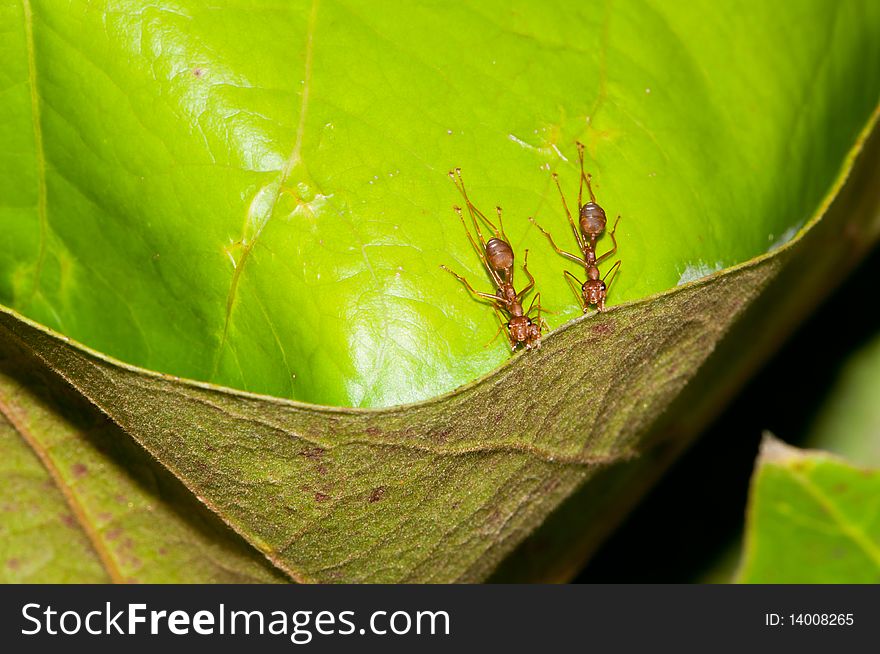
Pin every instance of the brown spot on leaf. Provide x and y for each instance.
(373, 431)
(198, 72)
(13, 564)
(313, 453)
(321, 497)
(68, 520)
(376, 494)
(113, 534)
(441, 435)
(602, 328)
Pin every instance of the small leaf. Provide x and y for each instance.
(812, 518)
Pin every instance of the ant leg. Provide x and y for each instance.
(501, 225)
(614, 240)
(580, 147)
(539, 319)
(477, 294)
(528, 287)
(535, 299)
(455, 176)
(574, 229)
(585, 177)
(536, 304)
(481, 252)
(542, 324)
(495, 231)
(472, 208)
(613, 272)
(567, 255)
(578, 290)
(501, 326)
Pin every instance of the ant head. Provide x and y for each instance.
(534, 331)
(594, 290)
(592, 218)
(520, 328)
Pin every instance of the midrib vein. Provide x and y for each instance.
(88, 528)
(38, 145)
(295, 157)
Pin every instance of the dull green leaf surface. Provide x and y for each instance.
(283, 237)
(81, 503)
(256, 195)
(813, 518)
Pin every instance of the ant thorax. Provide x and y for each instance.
(508, 295)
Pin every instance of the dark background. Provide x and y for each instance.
(694, 517)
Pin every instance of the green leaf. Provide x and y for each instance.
(81, 503)
(257, 198)
(813, 518)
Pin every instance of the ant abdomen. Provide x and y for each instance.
(499, 253)
(592, 219)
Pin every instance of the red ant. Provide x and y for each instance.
(592, 220)
(497, 258)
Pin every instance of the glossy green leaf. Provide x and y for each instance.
(257, 197)
(813, 518)
(81, 503)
